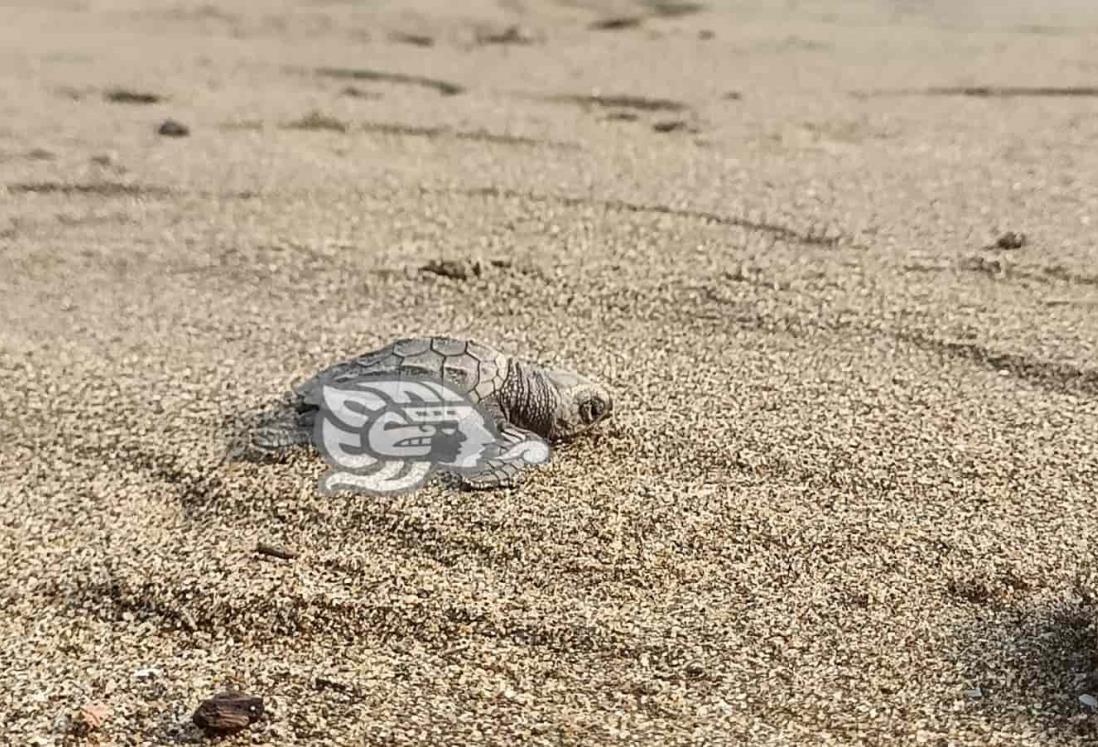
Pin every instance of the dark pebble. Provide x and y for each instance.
(511, 35)
(617, 23)
(171, 128)
(227, 712)
(455, 269)
(676, 125)
(1011, 240)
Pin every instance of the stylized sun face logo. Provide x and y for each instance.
(385, 436)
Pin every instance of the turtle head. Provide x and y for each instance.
(581, 403)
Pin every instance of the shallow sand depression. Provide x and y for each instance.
(847, 495)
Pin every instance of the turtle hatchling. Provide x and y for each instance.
(521, 402)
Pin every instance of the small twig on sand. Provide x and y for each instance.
(275, 551)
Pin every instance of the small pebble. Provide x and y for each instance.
(617, 23)
(511, 35)
(171, 128)
(694, 669)
(1010, 240)
(227, 712)
(676, 125)
(417, 40)
(455, 269)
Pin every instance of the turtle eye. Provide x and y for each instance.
(591, 410)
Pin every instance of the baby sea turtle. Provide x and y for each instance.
(519, 396)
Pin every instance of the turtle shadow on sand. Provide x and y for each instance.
(1038, 659)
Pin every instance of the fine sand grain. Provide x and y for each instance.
(848, 493)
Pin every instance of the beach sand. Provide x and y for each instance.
(848, 492)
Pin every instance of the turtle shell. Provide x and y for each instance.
(467, 367)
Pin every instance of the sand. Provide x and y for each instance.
(848, 492)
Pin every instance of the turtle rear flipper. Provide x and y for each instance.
(295, 429)
(272, 433)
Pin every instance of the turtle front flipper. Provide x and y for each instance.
(492, 475)
(516, 450)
